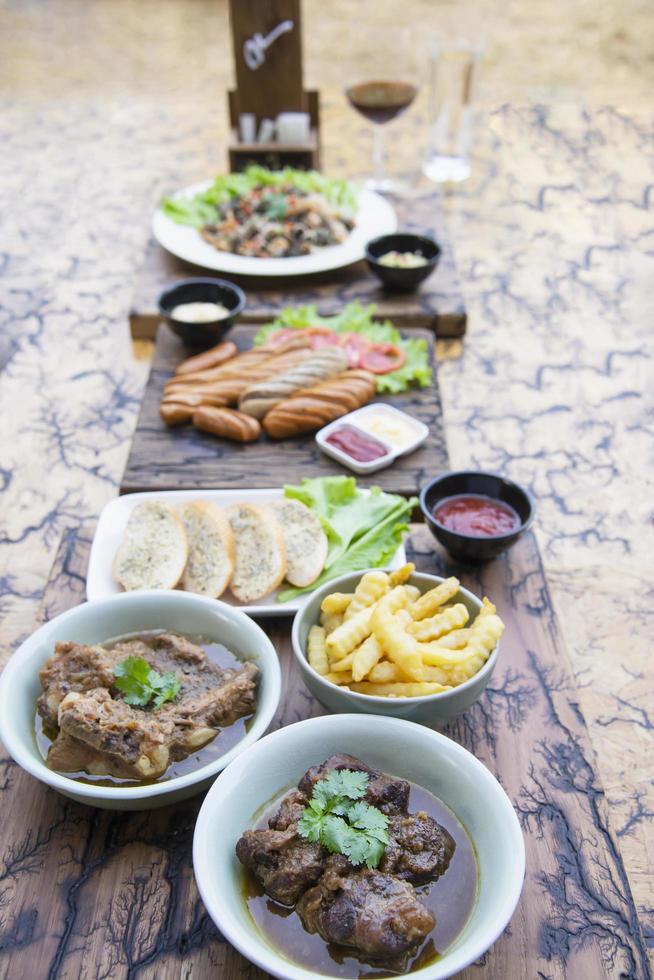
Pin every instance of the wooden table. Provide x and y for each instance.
(182, 458)
(94, 894)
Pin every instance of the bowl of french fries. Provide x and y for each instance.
(399, 643)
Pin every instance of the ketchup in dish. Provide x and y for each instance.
(477, 515)
(356, 444)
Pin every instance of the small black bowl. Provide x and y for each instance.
(402, 280)
(202, 290)
(467, 547)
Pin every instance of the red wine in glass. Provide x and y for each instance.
(381, 101)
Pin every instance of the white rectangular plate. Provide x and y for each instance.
(113, 520)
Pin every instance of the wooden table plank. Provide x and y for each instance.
(91, 894)
(183, 458)
(438, 305)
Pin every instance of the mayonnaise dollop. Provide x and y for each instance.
(389, 426)
(199, 312)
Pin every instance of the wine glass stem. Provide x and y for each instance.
(378, 155)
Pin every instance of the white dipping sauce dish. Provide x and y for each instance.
(401, 434)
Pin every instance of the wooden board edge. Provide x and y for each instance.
(144, 326)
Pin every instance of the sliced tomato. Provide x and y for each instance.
(320, 337)
(383, 358)
(279, 336)
(354, 345)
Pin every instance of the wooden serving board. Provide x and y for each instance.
(94, 894)
(438, 304)
(182, 458)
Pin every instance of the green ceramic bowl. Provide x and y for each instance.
(432, 709)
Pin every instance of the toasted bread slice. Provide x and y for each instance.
(260, 563)
(210, 548)
(304, 538)
(154, 549)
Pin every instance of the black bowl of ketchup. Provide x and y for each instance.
(475, 515)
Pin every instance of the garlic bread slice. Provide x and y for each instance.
(304, 539)
(260, 556)
(154, 549)
(211, 548)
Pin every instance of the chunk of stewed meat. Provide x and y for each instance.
(99, 733)
(115, 737)
(389, 794)
(289, 811)
(73, 667)
(419, 849)
(377, 914)
(283, 863)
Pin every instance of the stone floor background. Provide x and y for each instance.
(103, 104)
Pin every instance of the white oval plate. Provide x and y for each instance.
(100, 583)
(374, 217)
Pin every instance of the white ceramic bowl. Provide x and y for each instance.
(430, 709)
(95, 622)
(399, 747)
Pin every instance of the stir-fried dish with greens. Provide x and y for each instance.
(264, 213)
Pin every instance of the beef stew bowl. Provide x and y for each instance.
(138, 700)
(440, 701)
(455, 853)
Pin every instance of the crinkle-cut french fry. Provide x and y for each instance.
(384, 672)
(337, 602)
(429, 603)
(413, 592)
(401, 575)
(331, 621)
(341, 679)
(451, 618)
(349, 634)
(485, 634)
(435, 655)
(372, 586)
(389, 626)
(438, 674)
(487, 608)
(456, 640)
(399, 690)
(365, 657)
(316, 652)
(345, 664)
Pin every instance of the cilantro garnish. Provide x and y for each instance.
(338, 818)
(140, 683)
(276, 207)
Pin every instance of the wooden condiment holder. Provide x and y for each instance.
(267, 41)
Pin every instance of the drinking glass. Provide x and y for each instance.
(453, 70)
(386, 84)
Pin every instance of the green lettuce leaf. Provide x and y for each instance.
(363, 530)
(345, 512)
(201, 208)
(355, 318)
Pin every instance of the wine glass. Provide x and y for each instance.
(385, 86)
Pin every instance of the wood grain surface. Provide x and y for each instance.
(90, 894)
(276, 84)
(437, 305)
(181, 458)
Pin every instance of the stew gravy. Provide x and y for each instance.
(223, 742)
(451, 899)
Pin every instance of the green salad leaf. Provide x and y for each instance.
(355, 318)
(364, 530)
(338, 818)
(201, 208)
(140, 683)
